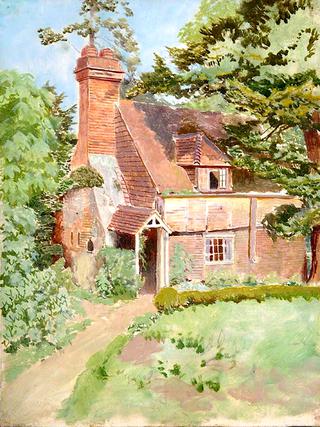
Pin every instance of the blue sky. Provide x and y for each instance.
(156, 24)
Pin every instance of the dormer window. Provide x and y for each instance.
(222, 178)
(218, 179)
(214, 183)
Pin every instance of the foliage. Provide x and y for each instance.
(91, 381)
(232, 51)
(46, 204)
(86, 176)
(63, 275)
(32, 302)
(99, 17)
(26, 357)
(232, 359)
(168, 298)
(180, 265)
(142, 322)
(34, 309)
(225, 278)
(117, 275)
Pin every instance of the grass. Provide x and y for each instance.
(94, 297)
(25, 357)
(239, 361)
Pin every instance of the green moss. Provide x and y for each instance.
(169, 298)
(86, 176)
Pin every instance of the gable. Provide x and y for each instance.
(195, 149)
(165, 173)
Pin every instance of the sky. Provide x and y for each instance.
(156, 24)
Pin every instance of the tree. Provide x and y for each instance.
(261, 57)
(105, 20)
(32, 301)
(45, 205)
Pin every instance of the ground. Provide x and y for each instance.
(129, 388)
(35, 396)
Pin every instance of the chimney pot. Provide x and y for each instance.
(89, 51)
(107, 53)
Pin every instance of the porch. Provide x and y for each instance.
(144, 231)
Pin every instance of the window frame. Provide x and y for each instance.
(223, 170)
(224, 236)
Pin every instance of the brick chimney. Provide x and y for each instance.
(99, 76)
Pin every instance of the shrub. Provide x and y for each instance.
(34, 310)
(63, 275)
(225, 279)
(168, 298)
(86, 176)
(117, 275)
(180, 265)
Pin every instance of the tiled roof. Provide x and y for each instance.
(196, 149)
(152, 128)
(129, 219)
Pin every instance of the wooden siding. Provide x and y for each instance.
(216, 213)
(138, 182)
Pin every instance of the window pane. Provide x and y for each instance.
(223, 178)
(214, 184)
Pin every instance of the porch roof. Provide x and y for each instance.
(131, 220)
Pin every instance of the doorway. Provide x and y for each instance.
(148, 263)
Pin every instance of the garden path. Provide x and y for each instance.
(35, 396)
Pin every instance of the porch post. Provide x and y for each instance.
(166, 258)
(137, 249)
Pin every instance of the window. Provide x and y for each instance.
(79, 241)
(218, 178)
(71, 237)
(223, 178)
(219, 249)
(214, 183)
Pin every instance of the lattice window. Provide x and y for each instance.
(223, 178)
(219, 249)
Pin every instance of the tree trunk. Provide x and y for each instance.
(312, 140)
(314, 274)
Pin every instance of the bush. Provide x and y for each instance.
(86, 176)
(63, 275)
(180, 265)
(34, 310)
(117, 275)
(168, 298)
(225, 279)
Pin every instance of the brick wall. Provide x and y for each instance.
(80, 222)
(99, 75)
(138, 182)
(282, 258)
(194, 246)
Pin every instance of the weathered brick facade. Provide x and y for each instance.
(281, 258)
(99, 76)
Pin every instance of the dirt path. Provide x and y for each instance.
(36, 395)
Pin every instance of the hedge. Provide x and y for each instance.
(170, 299)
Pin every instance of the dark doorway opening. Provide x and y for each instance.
(149, 265)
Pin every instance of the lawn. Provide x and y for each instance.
(233, 361)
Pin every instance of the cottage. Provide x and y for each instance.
(166, 175)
